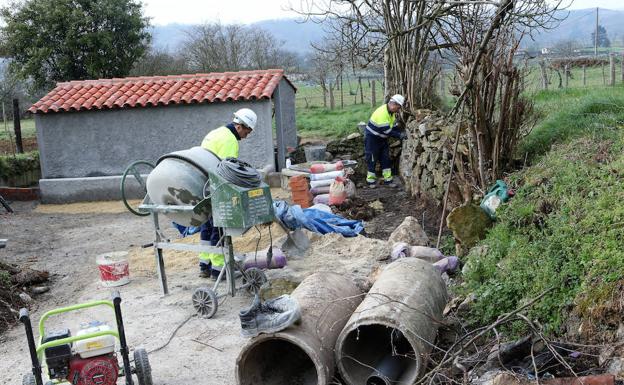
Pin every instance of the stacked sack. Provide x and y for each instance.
(329, 184)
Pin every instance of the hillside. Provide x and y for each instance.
(560, 236)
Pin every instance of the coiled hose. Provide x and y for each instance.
(239, 173)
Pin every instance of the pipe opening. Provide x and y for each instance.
(378, 355)
(277, 362)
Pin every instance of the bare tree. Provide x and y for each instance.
(159, 62)
(217, 47)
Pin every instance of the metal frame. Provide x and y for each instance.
(37, 350)
(161, 243)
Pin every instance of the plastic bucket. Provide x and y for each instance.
(114, 268)
(314, 153)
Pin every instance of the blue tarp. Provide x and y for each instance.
(294, 217)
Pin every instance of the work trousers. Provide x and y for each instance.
(377, 149)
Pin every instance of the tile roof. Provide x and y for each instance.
(136, 92)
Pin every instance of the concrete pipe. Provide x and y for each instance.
(388, 336)
(302, 354)
(179, 179)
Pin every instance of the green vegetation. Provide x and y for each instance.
(28, 129)
(14, 165)
(337, 123)
(58, 40)
(563, 229)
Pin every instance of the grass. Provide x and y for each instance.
(27, 125)
(331, 124)
(562, 231)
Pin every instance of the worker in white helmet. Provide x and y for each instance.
(223, 142)
(380, 127)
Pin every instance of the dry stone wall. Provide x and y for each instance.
(426, 155)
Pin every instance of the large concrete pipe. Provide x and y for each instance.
(302, 354)
(388, 336)
(179, 179)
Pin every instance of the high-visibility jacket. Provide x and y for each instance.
(223, 142)
(382, 123)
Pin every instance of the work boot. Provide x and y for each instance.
(390, 183)
(205, 270)
(270, 317)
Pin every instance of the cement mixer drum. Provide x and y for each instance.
(179, 179)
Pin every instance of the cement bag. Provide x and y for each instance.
(403, 250)
(337, 193)
(321, 183)
(323, 198)
(325, 167)
(327, 175)
(319, 190)
(350, 188)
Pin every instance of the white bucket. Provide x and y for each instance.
(114, 268)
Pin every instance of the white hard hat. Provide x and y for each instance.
(246, 117)
(398, 99)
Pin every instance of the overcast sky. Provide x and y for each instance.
(248, 11)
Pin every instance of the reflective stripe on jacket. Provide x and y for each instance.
(381, 122)
(222, 142)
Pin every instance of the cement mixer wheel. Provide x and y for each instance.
(256, 278)
(205, 302)
(133, 171)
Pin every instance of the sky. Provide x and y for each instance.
(248, 11)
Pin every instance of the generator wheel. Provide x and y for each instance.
(134, 171)
(142, 367)
(256, 278)
(29, 379)
(205, 302)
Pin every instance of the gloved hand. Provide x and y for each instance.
(403, 135)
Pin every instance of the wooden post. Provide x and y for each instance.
(17, 127)
(584, 76)
(442, 86)
(544, 75)
(373, 94)
(622, 66)
(332, 102)
(341, 93)
(361, 90)
(604, 76)
(566, 69)
(612, 69)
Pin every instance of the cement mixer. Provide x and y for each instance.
(192, 186)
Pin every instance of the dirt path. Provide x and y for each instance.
(66, 245)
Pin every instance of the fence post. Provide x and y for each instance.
(612, 69)
(544, 75)
(622, 66)
(373, 95)
(332, 102)
(17, 127)
(442, 87)
(604, 77)
(584, 76)
(341, 93)
(361, 90)
(566, 69)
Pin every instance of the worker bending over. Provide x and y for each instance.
(381, 125)
(223, 142)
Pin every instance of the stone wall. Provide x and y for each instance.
(426, 156)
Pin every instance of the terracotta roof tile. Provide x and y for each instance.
(159, 91)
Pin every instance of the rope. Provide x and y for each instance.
(239, 173)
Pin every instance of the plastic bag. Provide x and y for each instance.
(322, 198)
(350, 188)
(327, 175)
(337, 193)
(321, 183)
(326, 167)
(319, 190)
